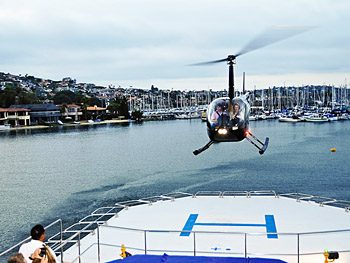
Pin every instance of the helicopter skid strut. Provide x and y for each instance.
(263, 146)
(253, 140)
(205, 147)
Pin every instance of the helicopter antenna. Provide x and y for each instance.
(243, 82)
(270, 36)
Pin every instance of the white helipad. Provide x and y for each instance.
(228, 224)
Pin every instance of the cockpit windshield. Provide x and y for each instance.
(224, 113)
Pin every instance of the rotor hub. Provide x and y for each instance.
(231, 59)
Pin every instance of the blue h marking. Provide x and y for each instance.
(270, 225)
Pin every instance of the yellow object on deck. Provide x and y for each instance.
(333, 150)
(330, 255)
(123, 255)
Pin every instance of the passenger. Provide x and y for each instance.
(17, 258)
(235, 117)
(217, 116)
(38, 236)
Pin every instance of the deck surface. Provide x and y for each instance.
(259, 226)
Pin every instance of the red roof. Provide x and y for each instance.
(95, 108)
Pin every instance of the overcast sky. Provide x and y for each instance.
(141, 43)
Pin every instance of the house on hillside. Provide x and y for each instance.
(96, 112)
(41, 113)
(14, 117)
(71, 112)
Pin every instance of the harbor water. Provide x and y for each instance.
(67, 172)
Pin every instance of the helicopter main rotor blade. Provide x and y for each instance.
(268, 37)
(273, 35)
(209, 62)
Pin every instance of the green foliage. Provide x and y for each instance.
(16, 95)
(123, 109)
(65, 96)
(62, 98)
(63, 108)
(119, 108)
(136, 115)
(114, 109)
(95, 101)
(27, 98)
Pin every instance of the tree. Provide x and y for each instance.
(27, 98)
(7, 97)
(62, 98)
(136, 115)
(15, 95)
(114, 109)
(95, 101)
(65, 96)
(123, 109)
(63, 108)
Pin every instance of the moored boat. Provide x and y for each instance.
(316, 118)
(289, 119)
(252, 118)
(5, 127)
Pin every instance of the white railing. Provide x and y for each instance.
(109, 240)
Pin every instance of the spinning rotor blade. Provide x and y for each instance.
(209, 62)
(270, 36)
(273, 35)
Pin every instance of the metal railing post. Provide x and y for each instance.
(298, 245)
(79, 248)
(245, 245)
(194, 243)
(98, 244)
(61, 240)
(145, 236)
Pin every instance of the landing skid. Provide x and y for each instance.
(262, 146)
(205, 147)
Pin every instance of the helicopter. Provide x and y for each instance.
(228, 117)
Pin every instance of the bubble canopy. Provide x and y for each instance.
(228, 120)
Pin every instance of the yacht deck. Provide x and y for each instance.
(292, 227)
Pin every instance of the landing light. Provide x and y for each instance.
(222, 131)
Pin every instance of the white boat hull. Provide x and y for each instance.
(286, 119)
(316, 119)
(5, 127)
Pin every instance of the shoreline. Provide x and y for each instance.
(70, 124)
